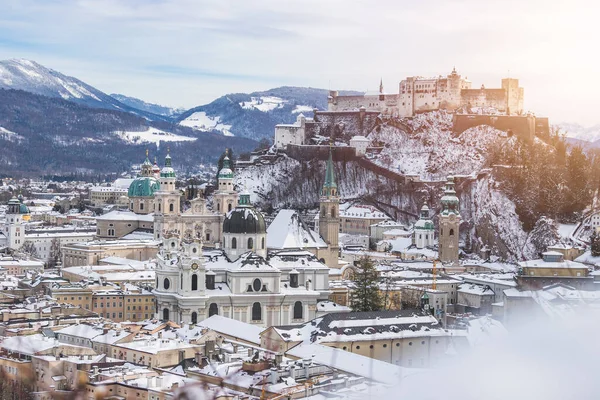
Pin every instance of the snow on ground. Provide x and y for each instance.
(202, 122)
(302, 109)
(9, 135)
(498, 223)
(151, 135)
(432, 151)
(264, 103)
(566, 230)
(262, 179)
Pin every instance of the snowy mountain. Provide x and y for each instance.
(42, 135)
(148, 107)
(254, 115)
(35, 78)
(577, 131)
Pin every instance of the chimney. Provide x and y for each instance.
(306, 363)
(159, 381)
(274, 377)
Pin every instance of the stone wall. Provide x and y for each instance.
(523, 126)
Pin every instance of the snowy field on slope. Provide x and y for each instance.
(432, 152)
(263, 103)
(302, 109)
(202, 122)
(152, 135)
(9, 135)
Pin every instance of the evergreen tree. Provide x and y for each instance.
(366, 296)
(595, 244)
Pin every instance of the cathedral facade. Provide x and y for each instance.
(239, 281)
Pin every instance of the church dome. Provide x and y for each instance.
(143, 186)
(244, 218)
(226, 171)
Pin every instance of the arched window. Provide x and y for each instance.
(166, 284)
(262, 243)
(194, 282)
(141, 206)
(229, 207)
(323, 211)
(181, 280)
(171, 207)
(256, 312)
(213, 309)
(333, 212)
(218, 206)
(194, 317)
(159, 207)
(256, 285)
(451, 232)
(250, 243)
(298, 310)
(165, 314)
(234, 243)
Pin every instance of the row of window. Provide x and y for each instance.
(213, 309)
(234, 243)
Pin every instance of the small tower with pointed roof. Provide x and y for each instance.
(449, 222)
(381, 86)
(329, 214)
(225, 198)
(167, 200)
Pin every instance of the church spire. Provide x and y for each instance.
(329, 186)
(381, 85)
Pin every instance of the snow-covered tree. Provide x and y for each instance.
(29, 249)
(595, 244)
(544, 234)
(366, 296)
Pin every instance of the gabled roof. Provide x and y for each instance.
(287, 231)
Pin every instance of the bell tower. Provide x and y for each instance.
(225, 198)
(329, 214)
(449, 222)
(166, 200)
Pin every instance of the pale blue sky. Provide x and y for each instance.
(188, 52)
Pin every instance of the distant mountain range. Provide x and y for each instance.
(32, 77)
(577, 131)
(54, 123)
(255, 115)
(40, 135)
(148, 107)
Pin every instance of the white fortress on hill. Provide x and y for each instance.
(417, 94)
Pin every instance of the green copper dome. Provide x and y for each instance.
(143, 186)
